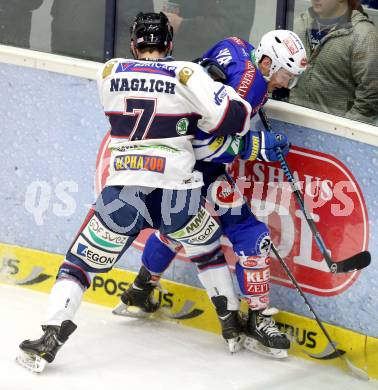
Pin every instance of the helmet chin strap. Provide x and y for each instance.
(133, 51)
(169, 50)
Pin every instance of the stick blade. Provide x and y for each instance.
(357, 372)
(130, 311)
(354, 263)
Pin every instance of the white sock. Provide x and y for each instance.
(218, 281)
(64, 300)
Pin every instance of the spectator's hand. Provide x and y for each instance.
(175, 21)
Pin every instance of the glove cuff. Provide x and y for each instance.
(251, 147)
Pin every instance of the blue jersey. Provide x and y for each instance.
(235, 56)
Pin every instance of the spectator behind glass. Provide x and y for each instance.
(77, 28)
(342, 47)
(370, 3)
(15, 21)
(197, 24)
(126, 11)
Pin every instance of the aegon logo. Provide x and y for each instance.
(205, 235)
(83, 250)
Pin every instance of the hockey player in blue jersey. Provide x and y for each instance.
(277, 62)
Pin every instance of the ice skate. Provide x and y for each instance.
(263, 336)
(232, 331)
(138, 300)
(232, 328)
(35, 354)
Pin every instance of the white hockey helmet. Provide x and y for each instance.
(286, 51)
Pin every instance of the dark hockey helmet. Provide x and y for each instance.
(151, 29)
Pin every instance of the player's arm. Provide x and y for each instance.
(222, 110)
(233, 57)
(103, 73)
(214, 148)
(255, 145)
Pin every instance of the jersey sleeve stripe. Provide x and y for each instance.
(233, 120)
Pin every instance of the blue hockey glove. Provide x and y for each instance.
(262, 145)
(251, 146)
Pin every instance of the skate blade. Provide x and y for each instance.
(130, 311)
(31, 361)
(255, 346)
(235, 344)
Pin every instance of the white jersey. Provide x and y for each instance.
(154, 109)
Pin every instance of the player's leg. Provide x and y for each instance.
(96, 248)
(251, 243)
(216, 278)
(213, 273)
(158, 253)
(200, 238)
(138, 299)
(176, 208)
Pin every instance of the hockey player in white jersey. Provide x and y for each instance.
(277, 62)
(154, 105)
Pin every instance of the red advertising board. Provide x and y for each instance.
(336, 203)
(331, 194)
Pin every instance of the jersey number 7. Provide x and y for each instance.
(144, 109)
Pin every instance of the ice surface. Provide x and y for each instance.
(109, 352)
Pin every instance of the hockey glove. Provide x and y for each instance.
(262, 145)
(212, 67)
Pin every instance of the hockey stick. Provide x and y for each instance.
(357, 372)
(353, 263)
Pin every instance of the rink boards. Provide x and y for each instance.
(188, 306)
